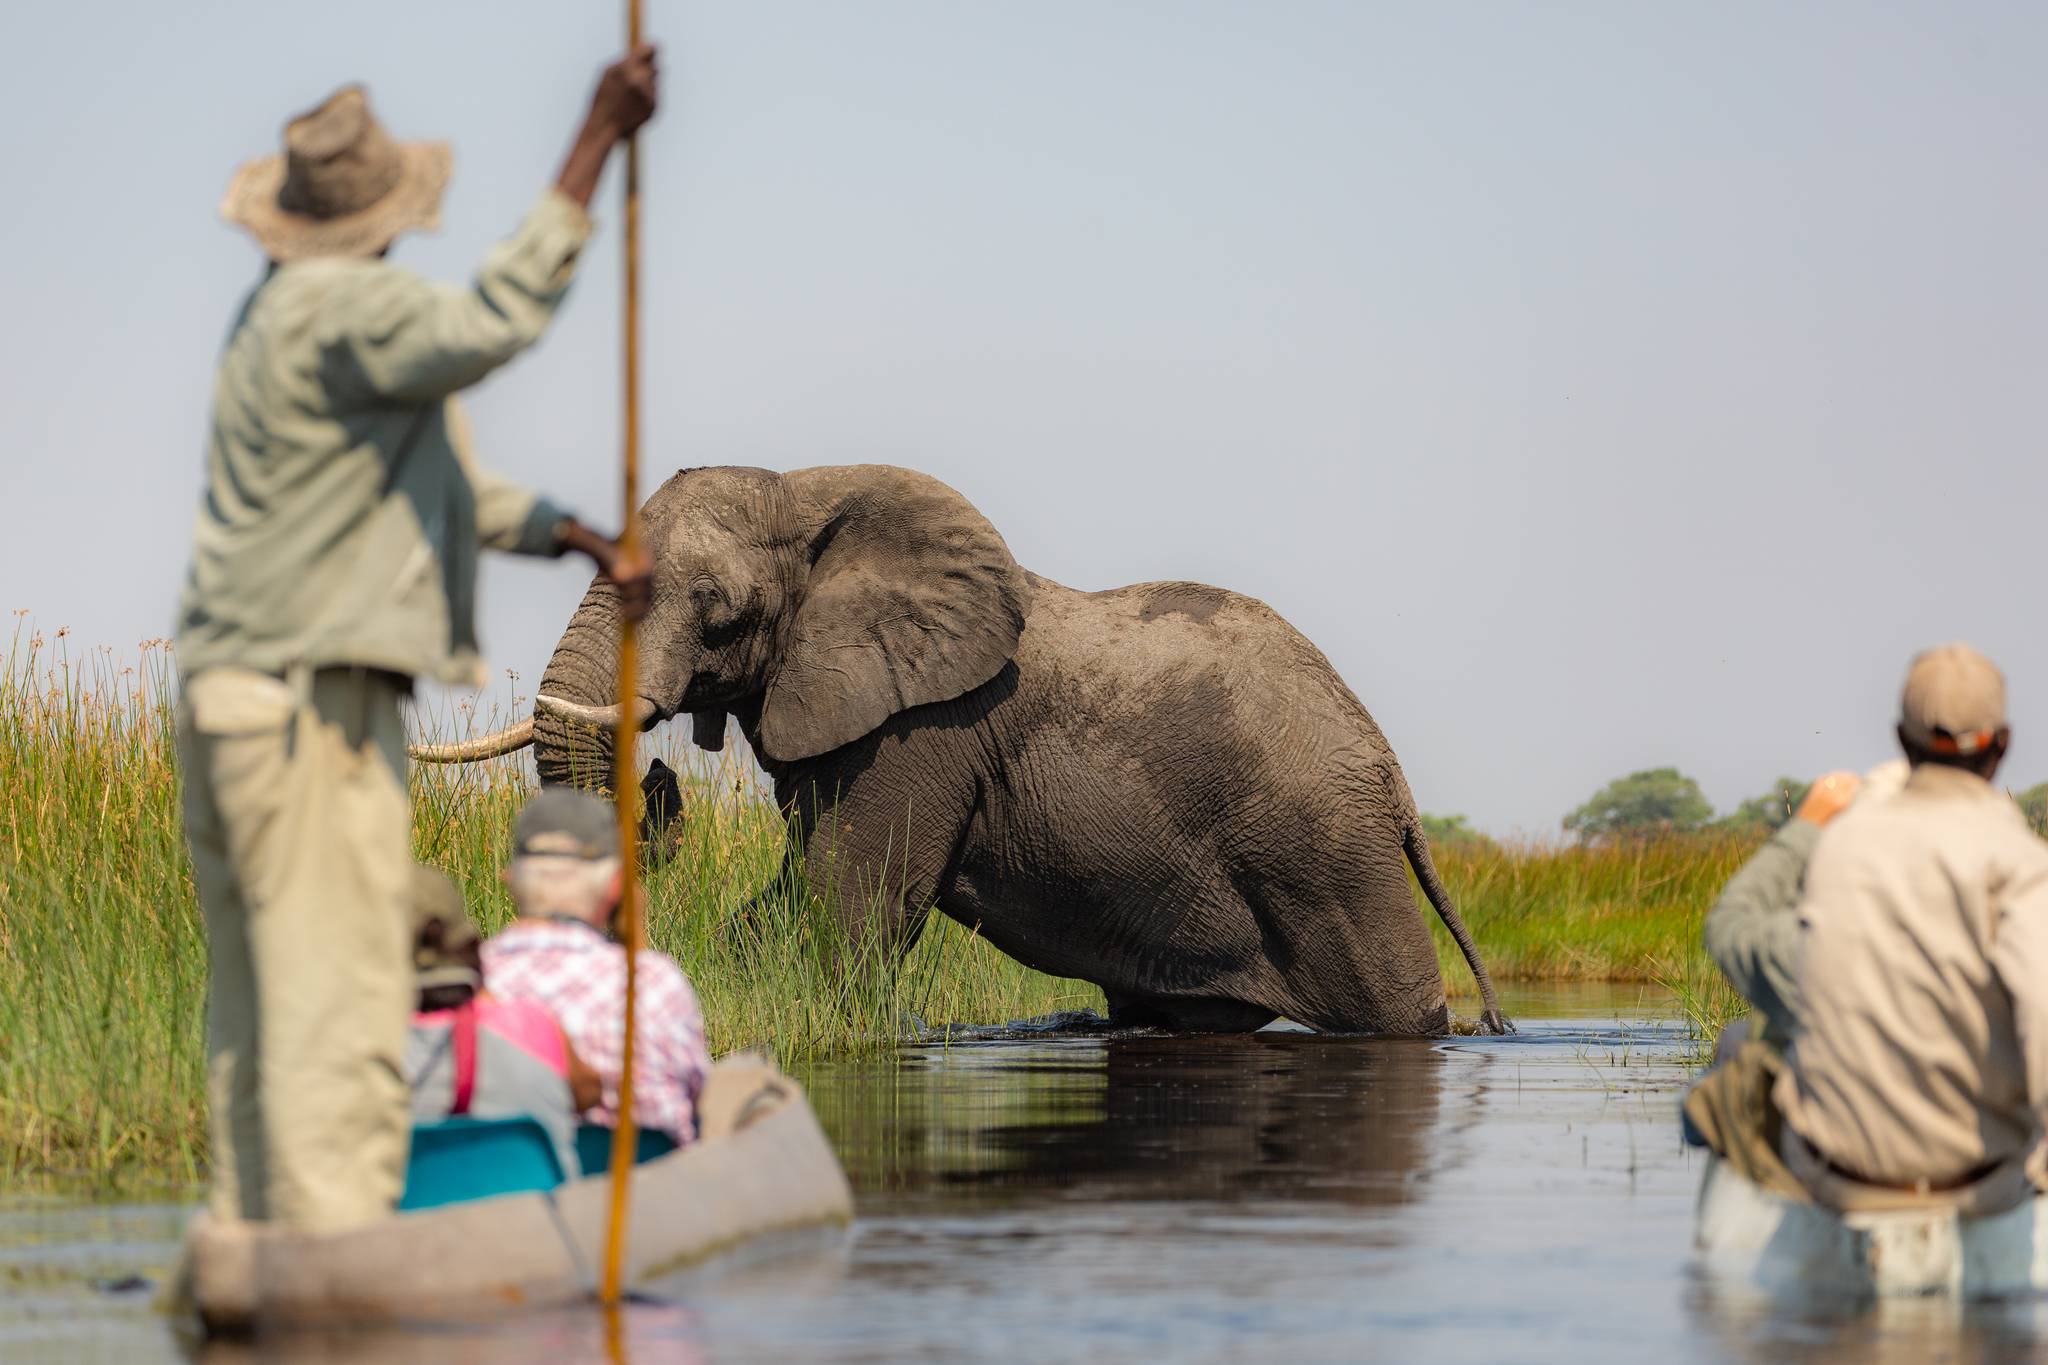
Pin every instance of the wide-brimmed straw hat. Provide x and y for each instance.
(342, 187)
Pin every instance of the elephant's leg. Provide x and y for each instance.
(878, 853)
(1348, 948)
(1425, 1020)
(1357, 955)
(1372, 993)
(1186, 1015)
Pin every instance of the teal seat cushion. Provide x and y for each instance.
(461, 1159)
(594, 1147)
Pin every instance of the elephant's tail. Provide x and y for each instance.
(1417, 844)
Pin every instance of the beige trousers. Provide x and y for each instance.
(295, 810)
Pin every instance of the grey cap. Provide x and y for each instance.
(564, 822)
(1954, 700)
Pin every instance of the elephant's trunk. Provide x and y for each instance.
(580, 673)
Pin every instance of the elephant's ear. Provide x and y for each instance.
(911, 598)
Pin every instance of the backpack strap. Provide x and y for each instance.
(463, 1036)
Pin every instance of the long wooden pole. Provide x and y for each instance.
(625, 789)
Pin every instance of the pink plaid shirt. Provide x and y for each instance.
(580, 975)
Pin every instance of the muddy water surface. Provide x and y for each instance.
(1145, 1198)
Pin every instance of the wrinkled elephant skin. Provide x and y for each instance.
(1164, 789)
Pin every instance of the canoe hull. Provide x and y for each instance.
(1785, 1246)
(764, 1166)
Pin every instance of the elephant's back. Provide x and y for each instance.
(1180, 678)
(1148, 642)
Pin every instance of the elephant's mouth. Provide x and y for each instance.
(707, 729)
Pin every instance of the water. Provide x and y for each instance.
(1147, 1198)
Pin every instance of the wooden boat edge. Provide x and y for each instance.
(775, 1173)
(1784, 1246)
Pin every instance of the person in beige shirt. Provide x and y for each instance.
(1920, 1064)
(334, 561)
(1752, 931)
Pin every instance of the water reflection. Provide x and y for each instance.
(1144, 1198)
(1742, 1323)
(644, 1332)
(1269, 1116)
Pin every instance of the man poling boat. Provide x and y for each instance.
(335, 562)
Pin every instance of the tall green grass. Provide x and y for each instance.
(103, 953)
(103, 958)
(1622, 911)
(1626, 910)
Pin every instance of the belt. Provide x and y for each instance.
(402, 681)
(1967, 1178)
(399, 680)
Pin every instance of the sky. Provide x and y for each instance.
(1600, 386)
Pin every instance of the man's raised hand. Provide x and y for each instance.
(626, 97)
(627, 92)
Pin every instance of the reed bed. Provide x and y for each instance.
(103, 956)
(1622, 911)
(103, 952)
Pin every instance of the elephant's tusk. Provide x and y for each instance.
(493, 745)
(645, 712)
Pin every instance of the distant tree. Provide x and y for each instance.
(2033, 803)
(1767, 813)
(1654, 801)
(1451, 831)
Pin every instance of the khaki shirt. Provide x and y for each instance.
(343, 509)
(1923, 985)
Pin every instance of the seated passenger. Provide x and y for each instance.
(565, 880)
(1920, 1066)
(473, 1054)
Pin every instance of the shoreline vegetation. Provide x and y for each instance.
(103, 954)
(1615, 911)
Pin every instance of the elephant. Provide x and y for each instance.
(1163, 789)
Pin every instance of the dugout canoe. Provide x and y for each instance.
(1779, 1244)
(763, 1165)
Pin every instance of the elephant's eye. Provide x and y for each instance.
(715, 613)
